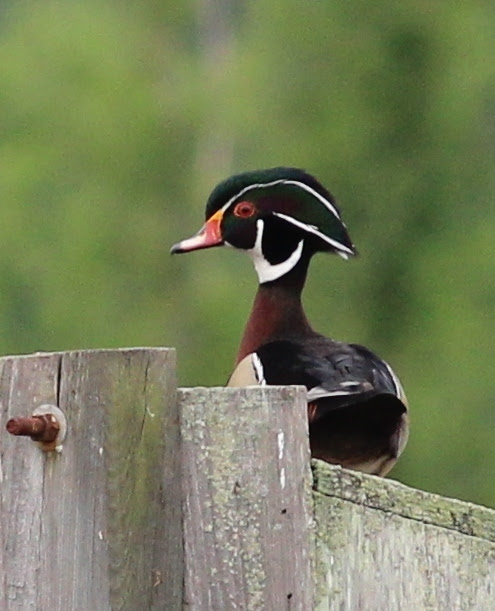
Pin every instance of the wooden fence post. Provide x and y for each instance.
(248, 519)
(97, 526)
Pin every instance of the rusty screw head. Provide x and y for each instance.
(43, 428)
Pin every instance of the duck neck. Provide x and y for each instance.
(277, 311)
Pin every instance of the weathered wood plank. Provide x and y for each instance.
(98, 526)
(24, 384)
(248, 514)
(382, 545)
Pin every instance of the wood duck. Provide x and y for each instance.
(281, 217)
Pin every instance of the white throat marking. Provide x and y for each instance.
(267, 271)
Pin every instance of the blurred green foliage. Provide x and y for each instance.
(118, 118)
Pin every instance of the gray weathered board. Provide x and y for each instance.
(97, 526)
(384, 546)
(204, 498)
(247, 485)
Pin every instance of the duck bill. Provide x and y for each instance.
(208, 236)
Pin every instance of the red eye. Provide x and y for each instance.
(244, 210)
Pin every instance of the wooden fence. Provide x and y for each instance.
(205, 498)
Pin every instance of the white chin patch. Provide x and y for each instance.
(267, 272)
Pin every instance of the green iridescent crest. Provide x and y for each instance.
(292, 195)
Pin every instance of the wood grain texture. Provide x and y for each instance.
(382, 545)
(100, 525)
(97, 526)
(248, 515)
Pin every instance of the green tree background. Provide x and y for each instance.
(118, 118)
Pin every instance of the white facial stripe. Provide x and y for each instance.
(314, 193)
(312, 229)
(265, 270)
(296, 183)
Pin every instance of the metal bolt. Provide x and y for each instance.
(43, 428)
(47, 426)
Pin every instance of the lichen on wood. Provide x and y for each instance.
(382, 545)
(248, 513)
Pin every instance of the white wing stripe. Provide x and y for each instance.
(258, 369)
(395, 380)
(319, 393)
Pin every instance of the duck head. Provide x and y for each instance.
(278, 216)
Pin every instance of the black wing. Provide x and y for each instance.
(356, 406)
(346, 373)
